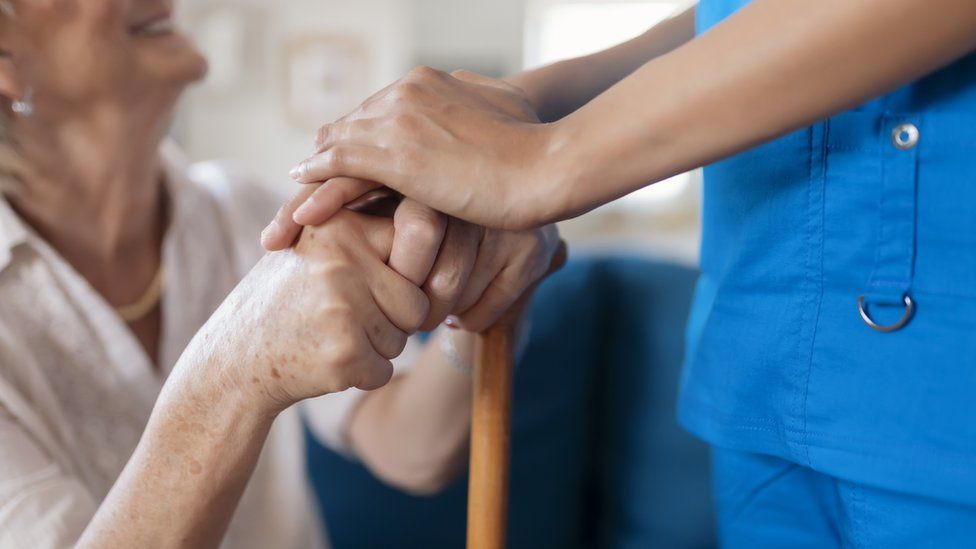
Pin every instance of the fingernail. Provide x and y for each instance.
(296, 173)
(271, 232)
(301, 212)
(452, 322)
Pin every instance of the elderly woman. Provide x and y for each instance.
(127, 418)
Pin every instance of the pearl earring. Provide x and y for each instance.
(24, 106)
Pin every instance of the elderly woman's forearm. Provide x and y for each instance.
(773, 67)
(413, 433)
(560, 88)
(183, 482)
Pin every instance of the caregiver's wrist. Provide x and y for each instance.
(562, 173)
(537, 88)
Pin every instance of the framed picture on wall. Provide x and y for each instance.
(326, 77)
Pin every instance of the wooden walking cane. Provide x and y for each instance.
(491, 414)
(491, 422)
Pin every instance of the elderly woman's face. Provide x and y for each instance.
(78, 53)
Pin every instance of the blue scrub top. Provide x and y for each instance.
(879, 202)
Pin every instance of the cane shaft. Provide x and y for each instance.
(490, 439)
(491, 425)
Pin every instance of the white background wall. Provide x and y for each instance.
(250, 125)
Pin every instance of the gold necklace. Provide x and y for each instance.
(145, 304)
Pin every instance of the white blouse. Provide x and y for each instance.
(76, 387)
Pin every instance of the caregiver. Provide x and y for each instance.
(831, 360)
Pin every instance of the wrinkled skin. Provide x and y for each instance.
(321, 318)
(472, 273)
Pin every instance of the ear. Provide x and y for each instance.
(11, 86)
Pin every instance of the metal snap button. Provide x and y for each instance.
(909, 310)
(905, 136)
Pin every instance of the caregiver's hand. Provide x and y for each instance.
(472, 273)
(462, 144)
(440, 254)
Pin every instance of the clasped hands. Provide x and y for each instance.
(333, 310)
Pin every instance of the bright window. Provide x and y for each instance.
(561, 29)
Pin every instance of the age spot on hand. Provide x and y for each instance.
(275, 374)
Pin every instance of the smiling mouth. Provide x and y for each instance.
(160, 25)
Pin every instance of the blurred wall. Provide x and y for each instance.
(483, 36)
(249, 123)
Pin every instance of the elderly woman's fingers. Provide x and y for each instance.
(510, 263)
(486, 268)
(329, 197)
(386, 339)
(418, 232)
(500, 295)
(451, 271)
(283, 231)
(400, 300)
(372, 370)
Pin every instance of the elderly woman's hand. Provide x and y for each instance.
(466, 271)
(507, 264)
(324, 317)
(440, 253)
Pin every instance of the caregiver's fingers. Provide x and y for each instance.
(329, 197)
(451, 271)
(347, 159)
(282, 231)
(418, 232)
(507, 97)
(481, 80)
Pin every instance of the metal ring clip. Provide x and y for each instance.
(909, 310)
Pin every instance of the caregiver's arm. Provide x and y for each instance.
(546, 93)
(320, 319)
(560, 88)
(773, 67)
